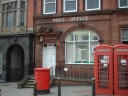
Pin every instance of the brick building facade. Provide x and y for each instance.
(68, 31)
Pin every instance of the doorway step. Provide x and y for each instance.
(26, 82)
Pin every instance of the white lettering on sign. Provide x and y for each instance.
(123, 61)
(78, 18)
(122, 50)
(71, 19)
(59, 20)
(103, 50)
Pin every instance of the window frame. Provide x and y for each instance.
(123, 39)
(90, 50)
(99, 8)
(122, 6)
(15, 10)
(64, 6)
(44, 7)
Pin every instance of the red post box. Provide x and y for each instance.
(121, 70)
(103, 69)
(42, 78)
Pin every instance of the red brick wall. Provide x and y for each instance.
(39, 7)
(106, 25)
(30, 13)
(106, 5)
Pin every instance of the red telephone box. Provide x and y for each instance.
(121, 70)
(103, 69)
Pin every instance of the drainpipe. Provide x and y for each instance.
(34, 13)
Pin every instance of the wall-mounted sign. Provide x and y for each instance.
(62, 19)
(71, 19)
(123, 61)
(65, 69)
(122, 50)
(68, 19)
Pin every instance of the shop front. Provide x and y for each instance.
(66, 44)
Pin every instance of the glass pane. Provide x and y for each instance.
(123, 3)
(69, 52)
(15, 18)
(1, 58)
(9, 7)
(47, 1)
(22, 5)
(10, 19)
(92, 4)
(124, 34)
(22, 18)
(81, 52)
(70, 5)
(50, 8)
(81, 35)
(92, 48)
(15, 4)
(3, 16)
(69, 37)
(93, 36)
(1, 65)
(3, 7)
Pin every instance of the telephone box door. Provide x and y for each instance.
(121, 70)
(103, 69)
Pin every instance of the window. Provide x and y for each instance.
(79, 46)
(10, 16)
(10, 19)
(123, 3)
(22, 13)
(22, 5)
(70, 5)
(22, 18)
(125, 35)
(49, 6)
(92, 5)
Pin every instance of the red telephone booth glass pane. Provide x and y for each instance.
(122, 72)
(103, 71)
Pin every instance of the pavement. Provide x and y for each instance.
(10, 89)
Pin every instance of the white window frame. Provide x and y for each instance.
(126, 39)
(64, 6)
(94, 8)
(90, 49)
(44, 7)
(122, 6)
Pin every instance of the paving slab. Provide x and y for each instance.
(10, 89)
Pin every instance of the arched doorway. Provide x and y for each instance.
(15, 63)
